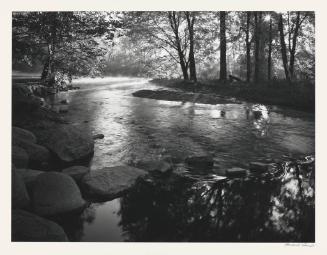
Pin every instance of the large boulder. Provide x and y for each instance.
(70, 144)
(19, 196)
(19, 157)
(56, 193)
(29, 176)
(204, 162)
(111, 182)
(155, 166)
(39, 156)
(23, 99)
(76, 172)
(23, 134)
(28, 227)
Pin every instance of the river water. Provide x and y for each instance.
(195, 206)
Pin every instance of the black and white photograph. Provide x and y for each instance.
(163, 126)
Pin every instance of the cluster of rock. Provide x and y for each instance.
(46, 192)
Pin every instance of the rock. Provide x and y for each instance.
(19, 197)
(29, 176)
(23, 134)
(76, 172)
(110, 182)
(235, 172)
(56, 193)
(19, 157)
(98, 136)
(200, 162)
(63, 109)
(259, 167)
(70, 144)
(28, 227)
(155, 166)
(64, 101)
(23, 100)
(38, 155)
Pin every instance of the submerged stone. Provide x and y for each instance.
(200, 162)
(111, 182)
(155, 166)
(28, 227)
(98, 136)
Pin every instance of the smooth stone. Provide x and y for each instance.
(56, 193)
(23, 134)
(111, 182)
(258, 166)
(63, 109)
(236, 172)
(98, 136)
(200, 162)
(155, 166)
(19, 157)
(28, 227)
(76, 172)
(19, 197)
(69, 143)
(29, 176)
(23, 99)
(64, 101)
(38, 155)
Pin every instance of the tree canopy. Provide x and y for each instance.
(253, 46)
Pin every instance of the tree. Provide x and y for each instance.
(72, 43)
(248, 47)
(269, 48)
(283, 47)
(258, 46)
(223, 62)
(190, 17)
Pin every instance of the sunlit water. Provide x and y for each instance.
(278, 207)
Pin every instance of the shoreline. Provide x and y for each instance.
(301, 98)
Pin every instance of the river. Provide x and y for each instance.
(202, 207)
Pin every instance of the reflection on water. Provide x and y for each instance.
(276, 207)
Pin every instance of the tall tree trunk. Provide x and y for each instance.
(283, 46)
(174, 25)
(190, 22)
(269, 50)
(248, 47)
(48, 73)
(257, 41)
(223, 62)
(46, 68)
(293, 48)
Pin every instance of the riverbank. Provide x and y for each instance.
(300, 96)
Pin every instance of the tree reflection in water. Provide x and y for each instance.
(274, 207)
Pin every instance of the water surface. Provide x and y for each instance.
(276, 207)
